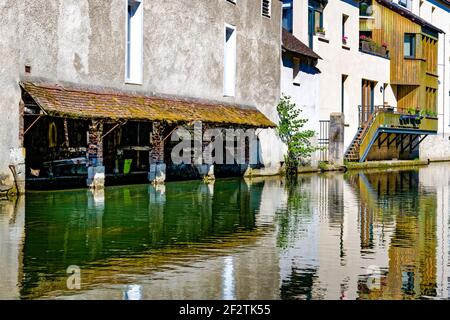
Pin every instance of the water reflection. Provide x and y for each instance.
(363, 235)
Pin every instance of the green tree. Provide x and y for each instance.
(290, 131)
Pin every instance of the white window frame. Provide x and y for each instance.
(270, 9)
(137, 78)
(229, 90)
(407, 4)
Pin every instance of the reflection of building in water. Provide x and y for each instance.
(391, 222)
(297, 238)
(324, 260)
(434, 179)
(12, 221)
(187, 240)
(411, 270)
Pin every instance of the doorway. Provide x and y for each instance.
(367, 101)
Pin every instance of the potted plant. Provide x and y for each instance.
(384, 48)
(412, 111)
(344, 40)
(320, 31)
(429, 113)
(366, 43)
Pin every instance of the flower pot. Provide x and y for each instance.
(320, 34)
(366, 46)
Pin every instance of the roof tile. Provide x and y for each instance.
(81, 103)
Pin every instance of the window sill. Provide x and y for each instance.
(413, 58)
(346, 47)
(136, 83)
(322, 38)
(367, 17)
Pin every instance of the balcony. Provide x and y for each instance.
(369, 46)
(389, 122)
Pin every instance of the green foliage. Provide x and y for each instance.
(323, 166)
(297, 211)
(422, 112)
(291, 133)
(429, 113)
(412, 111)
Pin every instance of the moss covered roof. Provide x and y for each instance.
(83, 103)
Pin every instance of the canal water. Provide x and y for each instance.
(360, 235)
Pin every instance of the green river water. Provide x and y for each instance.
(358, 235)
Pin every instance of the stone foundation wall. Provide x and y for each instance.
(435, 148)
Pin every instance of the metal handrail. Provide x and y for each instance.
(372, 118)
(354, 138)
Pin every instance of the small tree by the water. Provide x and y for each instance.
(290, 131)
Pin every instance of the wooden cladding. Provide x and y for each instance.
(413, 54)
(407, 96)
(431, 99)
(429, 53)
(391, 28)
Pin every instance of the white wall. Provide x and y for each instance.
(440, 17)
(337, 61)
(12, 235)
(306, 95)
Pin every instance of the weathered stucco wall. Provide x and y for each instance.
(83, 42)
(10, 94)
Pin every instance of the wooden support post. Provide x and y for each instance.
(380, 142)
(402, 137)
(396, 136)
(419, 142)
(407, 145)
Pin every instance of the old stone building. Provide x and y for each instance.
(94, 89)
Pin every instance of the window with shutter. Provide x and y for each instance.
(266, 8)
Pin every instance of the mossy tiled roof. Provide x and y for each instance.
(85, 103)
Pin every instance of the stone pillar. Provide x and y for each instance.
(96, 170)
(206, 167)
(336, 139)
(157, 171)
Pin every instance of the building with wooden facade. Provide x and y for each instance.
(395, 131)
(437, 12)
(383, 68)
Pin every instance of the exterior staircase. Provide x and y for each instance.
(352, 153)
(385, 121)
